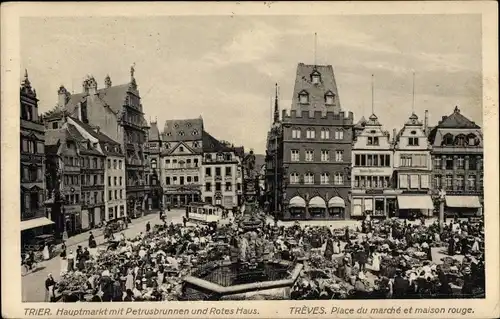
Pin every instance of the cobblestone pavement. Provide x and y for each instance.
(33, 283)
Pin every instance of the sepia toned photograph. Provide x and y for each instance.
(182, 158)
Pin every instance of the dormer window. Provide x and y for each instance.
(195, 132)
(181, 133)
(329, 98)
(316, 77)
(303, 97)
(167, 146)
(195, 144)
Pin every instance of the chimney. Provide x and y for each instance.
(426, 120)
(107, 81)
(78, 113)
(63, 97)
(85, 86)
(394, 135)
(92, 86)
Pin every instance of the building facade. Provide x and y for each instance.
(372, 170)
(103, 188)
(181, 161)
(221, 174)
(32, 155)
(153, 167)
(118, 112)
(413, 169)
(64, 161)
(457, 158)
(317, 142)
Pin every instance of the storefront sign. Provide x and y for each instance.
(373, 171)
(72, 209)
(374, 191)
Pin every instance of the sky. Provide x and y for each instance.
(224, 67)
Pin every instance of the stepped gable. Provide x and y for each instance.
(183, 130)
(316, 92)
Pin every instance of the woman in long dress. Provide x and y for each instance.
(336, 246)
(46, 254)
(376, 262)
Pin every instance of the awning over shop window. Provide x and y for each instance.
(336, 202)
(415, 202)
(297, 201)
(36, 222)
(317, 202)
(463, 201)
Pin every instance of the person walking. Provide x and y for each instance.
(148, 227)
(50, 284)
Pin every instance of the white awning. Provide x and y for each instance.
(415, 202)
(297, 201)
(336, 202)
(317, 202)
(463, 201)
(36, 222)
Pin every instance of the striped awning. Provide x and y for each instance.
(297, 201)
(36, 222)
(336, 202)
(317, 202)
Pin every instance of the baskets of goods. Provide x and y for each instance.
(72, 283)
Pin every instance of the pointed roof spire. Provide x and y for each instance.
(276, 106)
(26, 82)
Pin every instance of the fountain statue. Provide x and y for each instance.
(251, 219)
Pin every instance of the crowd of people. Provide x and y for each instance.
(380, 259)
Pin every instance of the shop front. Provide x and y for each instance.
(296, 208)
(379, 204)
(317, 208)
(415, 206)
(336, 208)
(463, 206)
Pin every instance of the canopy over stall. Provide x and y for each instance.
(415, 202)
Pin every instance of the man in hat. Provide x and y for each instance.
(468, 284)
(49, 288)
(400, 286)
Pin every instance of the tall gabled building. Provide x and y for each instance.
(181, 157)
(457, 158)
(154, 166)
(314, 147)
(33, 219)
(118, 112)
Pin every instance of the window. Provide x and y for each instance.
(95, 180)
(325, 178)
(229, 171)
(295, 155)
(472, 140)
(181, 149)
(295, 133)
(447, 139)
(437, 162)
(309, 178)
(174, 180)
(218, 186)
(310, 134)
(471, 182)
(55, 125)
(403, 181)
(303, 97)
(109, 180)
(208, 171)
(460, 140)
(181, 180)
(449, 163)
(196, 179)
(339, 156)
(217, 171)
(413, 141)
(195, 162)
(329, 99)
(437, 182)
(481, 182)
(228, 186)
(356, 181)
(116, 194)
(460, 162)
(339, 179)
(110, 194)
(153, 163)
(109, 163)
(405, 160)
(115, 180)
(372, 140)
(325, 134)
(309, 155)
(325, 155)
(460, 182)
(294, 178)
(472, 163)
(357, 160)
(220, 157)
(189, 179)
(449, 182)
(121, 181)
(167, 180)
(316, 78)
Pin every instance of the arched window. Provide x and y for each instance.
(329, 98)
(294, 178)
(339, 178)
(296, 133)
(325, 134)
(460, 140)
(472, 140)
(325, 178)
(309, 178)
(447, 139)
(310, 133)
(153, 163)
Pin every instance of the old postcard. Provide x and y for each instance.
(250, 160)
